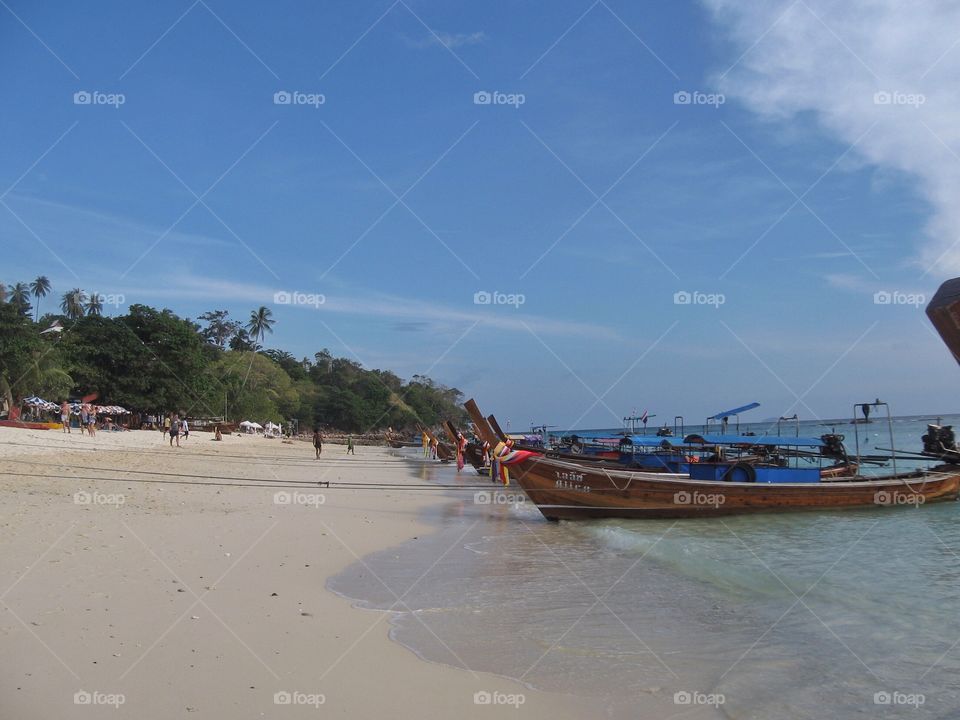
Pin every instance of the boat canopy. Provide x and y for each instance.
(769, 440)
(735, 411)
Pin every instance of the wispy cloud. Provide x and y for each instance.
(406, 312)
(880, 69)
(448, 40)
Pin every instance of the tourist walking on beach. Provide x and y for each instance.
(184, 428)
(175, 430)
(92, 420)
(350, 445)
(165, 426)
(83, 418)
(317, 441)
(65, 416)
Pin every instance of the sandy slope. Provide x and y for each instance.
(204, 601)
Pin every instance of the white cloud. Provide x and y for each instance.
(450, 40)
(392, 307)
(832, 59)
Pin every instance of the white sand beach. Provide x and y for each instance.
(156, 596)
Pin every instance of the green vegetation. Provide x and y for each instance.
(151, 360)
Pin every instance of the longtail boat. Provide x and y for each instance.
(562, 489)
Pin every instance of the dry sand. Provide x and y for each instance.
(205, 601)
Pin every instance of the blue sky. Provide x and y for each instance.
(781, 198)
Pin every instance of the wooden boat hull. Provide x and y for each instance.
(31, 425)
(570, 491)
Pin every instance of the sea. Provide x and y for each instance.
(839, 614)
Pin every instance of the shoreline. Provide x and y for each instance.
(166, 597)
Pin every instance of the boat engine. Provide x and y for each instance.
(833, 446)
(939, 439)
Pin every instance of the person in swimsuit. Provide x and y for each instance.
(65, 416)
(317, 442)
(175, 430)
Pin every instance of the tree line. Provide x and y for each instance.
(153, 361)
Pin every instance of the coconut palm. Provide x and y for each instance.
(40, 287)
(261, 323)
(94, 304)
(20, 297)
(72, 303)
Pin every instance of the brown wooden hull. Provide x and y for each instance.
(564, 490)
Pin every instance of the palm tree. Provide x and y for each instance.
(261, 322)
(20, 297)
(3, 293)
(40, 287)
(95, 304)
(72, 303)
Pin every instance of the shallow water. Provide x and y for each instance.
(803, 615)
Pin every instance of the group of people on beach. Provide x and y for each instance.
(176, 427)
(88, 418)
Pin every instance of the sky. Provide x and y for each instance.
(571, 211)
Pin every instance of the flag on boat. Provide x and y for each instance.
(644, 417)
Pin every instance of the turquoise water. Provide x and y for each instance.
(805, 615)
